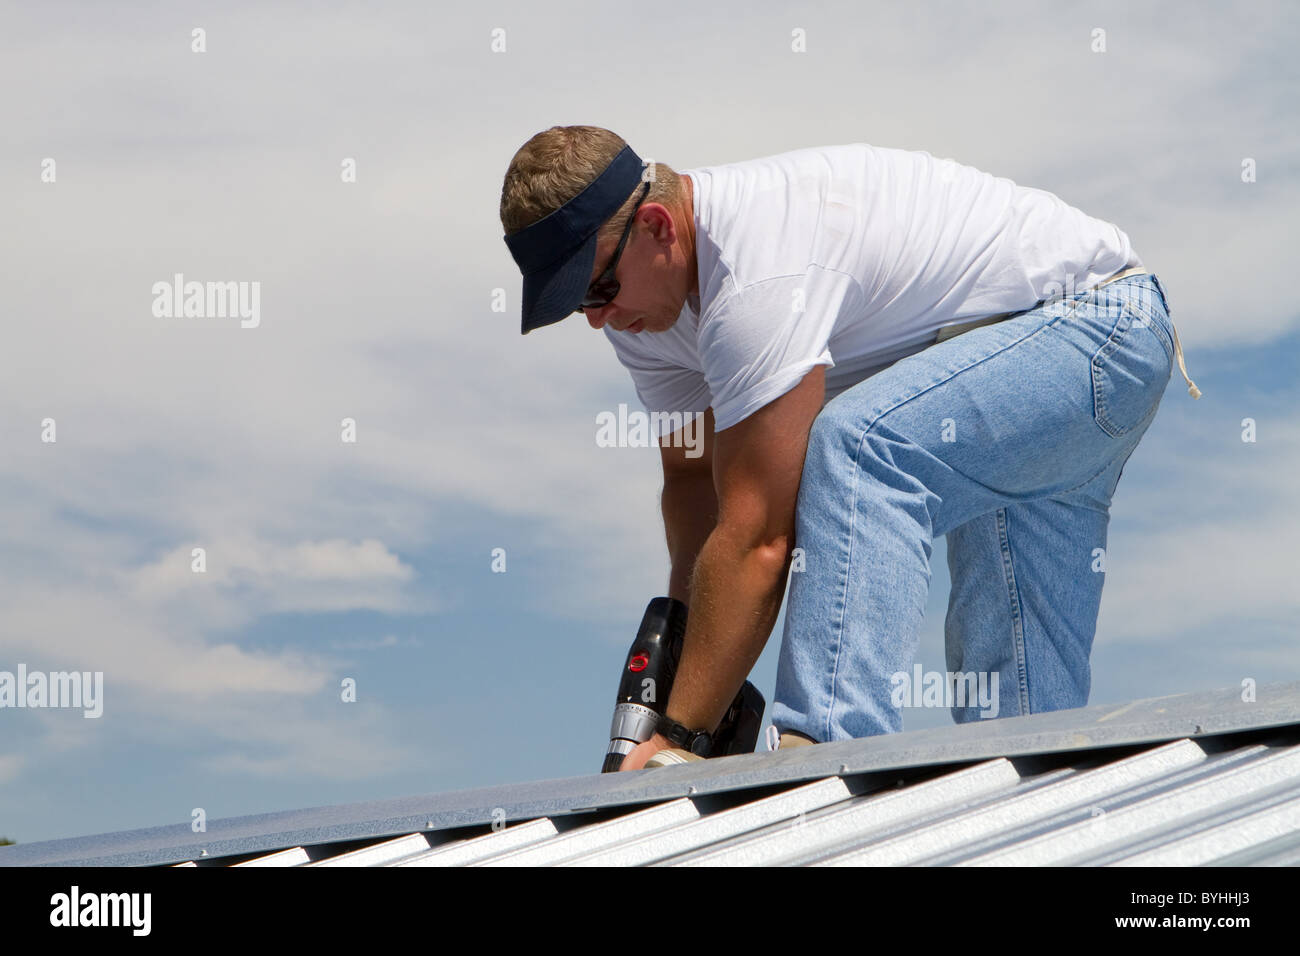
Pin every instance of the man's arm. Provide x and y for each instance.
(690, 502)
(739, 576)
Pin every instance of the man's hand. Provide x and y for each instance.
(643, 752)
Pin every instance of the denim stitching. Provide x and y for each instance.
(1017, 621)
(838, 641)
(1107, 349)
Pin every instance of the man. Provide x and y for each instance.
(886, 347)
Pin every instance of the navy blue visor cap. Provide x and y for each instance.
(557, 253)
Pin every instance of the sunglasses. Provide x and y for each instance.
(604, 290)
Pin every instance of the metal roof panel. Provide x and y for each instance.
(1026, 789)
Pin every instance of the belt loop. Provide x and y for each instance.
(1163, 297)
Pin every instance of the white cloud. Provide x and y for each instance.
(1207, 548)
(308, 576)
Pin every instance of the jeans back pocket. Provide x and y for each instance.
(1132, 368)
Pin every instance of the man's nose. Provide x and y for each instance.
(596, 317)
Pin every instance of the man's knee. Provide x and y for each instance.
(832, 435)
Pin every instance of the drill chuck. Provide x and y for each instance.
(633, 724)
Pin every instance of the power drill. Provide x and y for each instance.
(648, 680)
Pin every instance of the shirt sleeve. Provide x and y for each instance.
(663, 387)
(760, 341)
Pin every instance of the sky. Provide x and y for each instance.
(372, 560)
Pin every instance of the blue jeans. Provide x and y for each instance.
(1010, 440)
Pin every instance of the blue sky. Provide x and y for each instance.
(373, 560)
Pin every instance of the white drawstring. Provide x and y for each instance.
(1192, 390)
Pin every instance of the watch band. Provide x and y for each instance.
(698, 742)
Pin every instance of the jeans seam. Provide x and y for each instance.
(1017, 620)
(1101, 413)
(838, 640)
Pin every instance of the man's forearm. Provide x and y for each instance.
(690, 509)
(737, 590)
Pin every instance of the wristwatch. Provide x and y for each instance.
(698, 742)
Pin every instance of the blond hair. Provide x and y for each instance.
(558, 163)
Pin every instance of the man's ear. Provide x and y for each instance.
(662, 225)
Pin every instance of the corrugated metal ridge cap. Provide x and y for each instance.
(1154, 720)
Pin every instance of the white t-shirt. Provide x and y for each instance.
(851, 257)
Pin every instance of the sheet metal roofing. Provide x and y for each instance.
(1193, 779)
